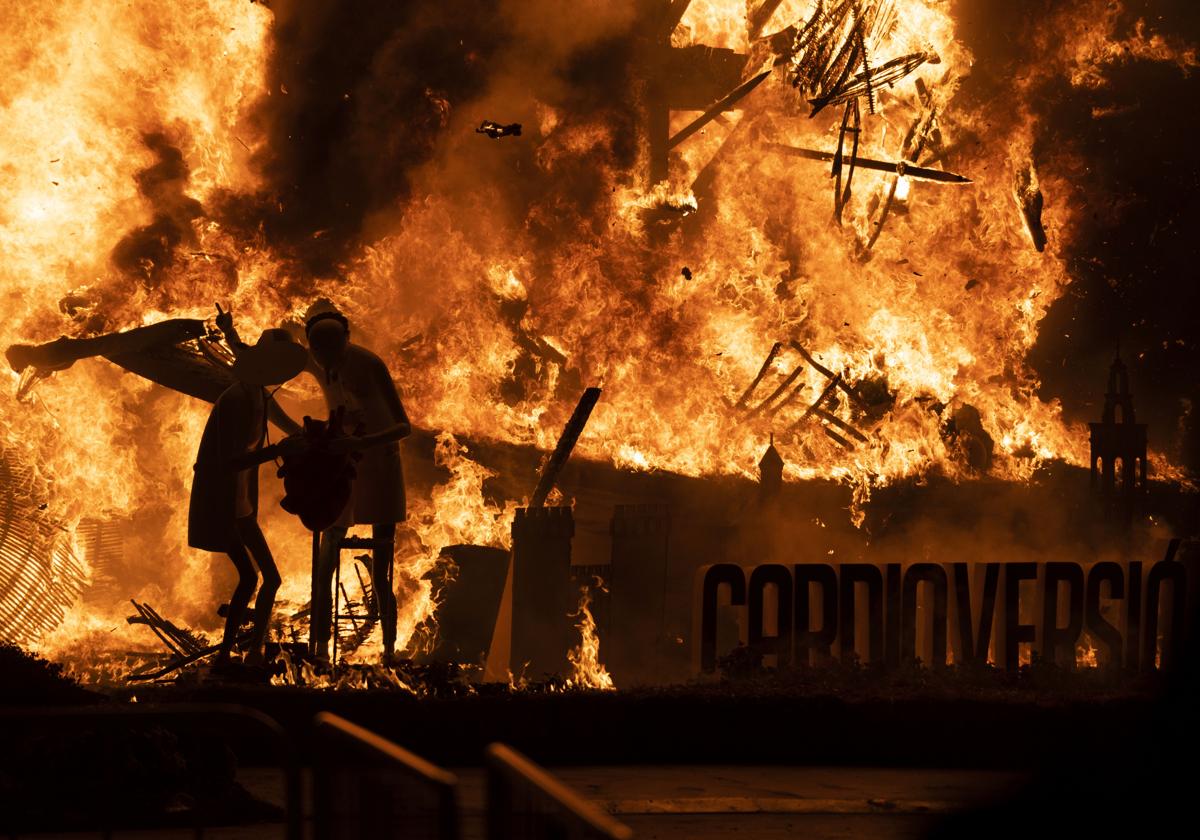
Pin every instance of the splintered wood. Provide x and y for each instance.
(779, 373)
(829, 54)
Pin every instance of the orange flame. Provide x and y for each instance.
(587, 671)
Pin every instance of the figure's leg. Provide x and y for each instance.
(247, 580)
(256, 543)
(385, 595)
(322, 599)
(64, 352)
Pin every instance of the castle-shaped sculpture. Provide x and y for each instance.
(1118, 456)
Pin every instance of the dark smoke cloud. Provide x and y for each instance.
(359, 94)
(1126, 152)
(146, 252)
(362, 94)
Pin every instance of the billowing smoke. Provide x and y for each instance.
(370, 109)
(362, 96)
(1113, 128)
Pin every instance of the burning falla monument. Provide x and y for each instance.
(501, 275)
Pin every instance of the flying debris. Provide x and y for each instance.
(1029, 198)
(495, 130)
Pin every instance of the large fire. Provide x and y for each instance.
(132, 191)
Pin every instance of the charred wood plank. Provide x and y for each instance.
(841, 195)
(186, 640)
(783, 386)
(830, 417)
(899, 167)
(762, 371)
(144, 618)
(672, 14)
(725, 103)
(828, 374)
(786, 401)
(566, 443)
(836, 438)
(812, 409)
(183, 661)
(761, 15)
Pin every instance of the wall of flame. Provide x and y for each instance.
(160, 157)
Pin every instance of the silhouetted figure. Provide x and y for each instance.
(356, 384)
(356, 381)
(223, 515)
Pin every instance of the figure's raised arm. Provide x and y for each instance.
(224, 323)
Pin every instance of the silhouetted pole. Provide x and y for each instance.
(566, 443)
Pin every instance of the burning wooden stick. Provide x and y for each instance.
(816, 409)
(869, 79)
(829, 389)
(899, 167)
(566, 444)
(783, 386)
(725, 103)
(761, 15)
(762, 371)
(187, 641)
(841, 195)
(672, 13)
(830, 417)
(828, 374)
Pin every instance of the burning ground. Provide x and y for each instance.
(159, 159)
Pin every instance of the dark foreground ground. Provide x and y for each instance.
(979, 720)
(674, 802)
(818, 754)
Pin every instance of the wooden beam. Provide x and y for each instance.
(761, 16)
(775, 394)
(674, 13)
(826, 372)
(725, 103)
(566, 443)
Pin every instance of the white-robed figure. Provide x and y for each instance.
(357, 382)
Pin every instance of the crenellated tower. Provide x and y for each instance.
(1118, 458)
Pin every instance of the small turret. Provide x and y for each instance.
(1118, 444)
(770, 472)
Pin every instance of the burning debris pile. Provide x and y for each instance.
(41, 575)
(496, 280)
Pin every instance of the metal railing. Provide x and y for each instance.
(120, 759)
(366, 786)
(524, 802)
